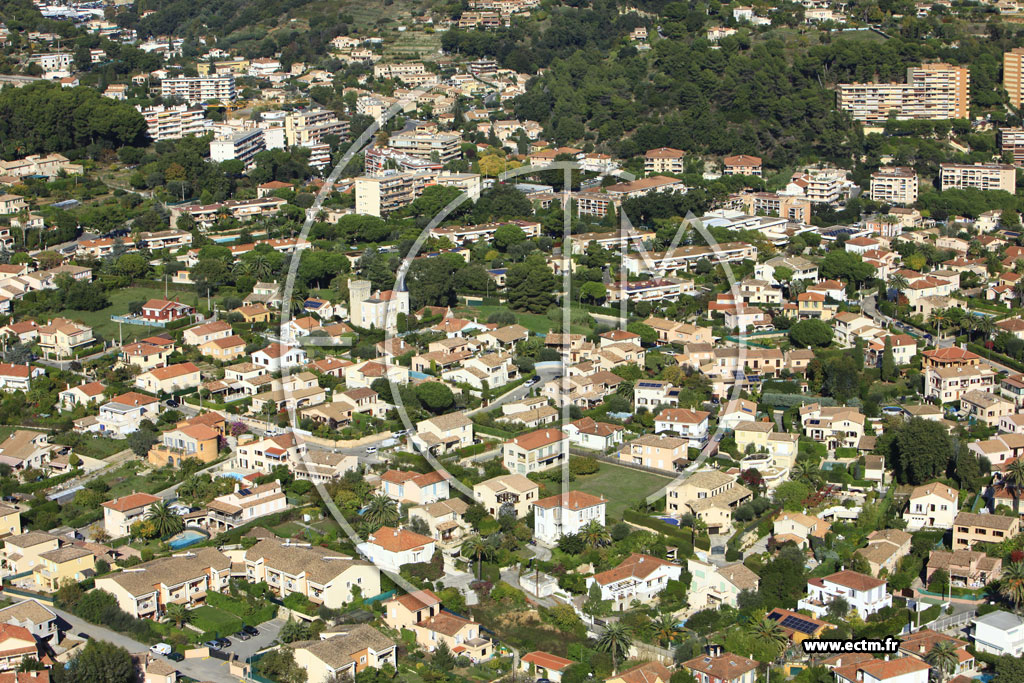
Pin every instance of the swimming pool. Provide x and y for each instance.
(186, 538)
(232, 475)
(670, 520)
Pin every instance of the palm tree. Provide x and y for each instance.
(805, 470)
(666, 629)
(243, 268)
(595, 534)
(938, 317)
(1011, 585)
(381, 511)
(260, 265)
(1018, 290)
(765, 630)
(1013, 481)
(167, 523)
(616, 640)
(477, 547)
(177, 615)
(984, 325)
(625, 390)
(943, 658)
(898, 283)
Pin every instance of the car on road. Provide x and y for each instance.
(176, 657)
(172, 403)
(161, 649)
(84, 636)
(533, 380)
(370, 450)
(251, 630)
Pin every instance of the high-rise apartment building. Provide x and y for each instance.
(1013, 75)
(199, 89)
(979, 176)
(894, 185)
(932, 91)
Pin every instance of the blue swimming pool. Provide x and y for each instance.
(670, 520)
(186, 538)
(232, 475)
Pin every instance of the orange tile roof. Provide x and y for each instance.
(573, 500)
(131, 502)
(547, 660)
(397, 540)
(538, 439)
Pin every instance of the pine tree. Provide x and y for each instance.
(888, 363)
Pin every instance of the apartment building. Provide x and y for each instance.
(443, 147)
(566, 514)
(461, 235)
(242, 146)
(978, 176)
(932, 91)
(742, 164)
(1013, 75)
(685, 257)
(308, 127)
(948, 384)
(794, 209)
(199, 89)
(173, 122)
(398, 70)
(319, 574)
(894, 185)
(863, 593)
(970, 528)
(1011, 141)
(665, 160)
(379, 195)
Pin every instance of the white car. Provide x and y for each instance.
(370, 450)
(161, 649)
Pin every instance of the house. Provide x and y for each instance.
(163, 311)
(207, 332)
(863, 593)
(722, 668)
(661, 452)
(799, 528)
(649, 672)
(970, 528)
(712, 586)
(84, 394)
(835, 426)
(145, 356)
(535, 451)
(710, 495)
(68, 564)
(32, 615)
(638, 578)
(985, 407)
(544, 665)
(319, 574)
(444, 519)
(263, 454)
(971, 568)
(886, 547)
(187, 440)
(651, 393)
(16, 643)
(120, 513)
(10, 521)
(253, 313)
(343, 651)
(504, 338)
(594, 436)
(899, 670)
(61, 337)
(277, 356)
(364, 374)
(225, 349)
(736, 411)
(932, 505)
(18, 377)
(413, 487)
(444, 433)
(169, 380)
(145, 590)
(565, 514)
(422, 613)
(512, 490)
(242, 506)
(390, 548)
(25, 450)
(122, 415)
(998, 633)
(691, 425)
(21, 553)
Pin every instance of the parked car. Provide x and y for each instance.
(176, 657)
(251, 630)
(213, 644)
(161, 649)
(242, 635)
(224, 642)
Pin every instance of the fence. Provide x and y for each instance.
(623, 463)
(952, 620)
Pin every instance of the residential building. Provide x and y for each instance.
(378, 309)
(899, 670)
(18, 377)
(170, 380)
(835, 426)
(21, 554)
(978, 176)
(199, 89)
(163, 311)
(1013, 76)
(277, 356)
(932, 506)
(712, 586)
(344, 651)
(722, 668)
(894, 185)
(319, 574)
(691, 425)
(565, 514)
(61, 337)
(799, 528)
(710, 495)
(68, 564)
(390, 548)
(970, 568)
(189, 439)
(122, 414)
(1011, 141)
(413, 487)
(32, 615)
(545, 665)
(886, 547)
(932, 91)
(742, 164)
(119, 514)
(535, 451)
(16, 645)
(665, 160)
(594, 436)
(173, 122)
(863, 593)
(970, 528)
(26, 450)
(637, 578)
(657, 451)
(998, 633)
(445, 519)
(506, 494)
(241, 146)
(422, 613)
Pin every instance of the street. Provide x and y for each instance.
(208, 669)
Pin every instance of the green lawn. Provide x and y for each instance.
(622, 486)
(537, 323)
(211, 619)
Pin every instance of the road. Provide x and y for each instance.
(546, 374)
(208, 669)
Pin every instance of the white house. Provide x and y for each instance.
(596, 436)
(863, 593)
(277, 356)
(638, 577)
(999, 633)
(933, 505)
(18, 377)
(389, 548)
(692, 425)
(565, 514)
(899, 670)
(123, 414)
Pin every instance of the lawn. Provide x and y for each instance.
(538, 323)
(622, 486)
(213, 620)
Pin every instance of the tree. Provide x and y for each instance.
(443, 659)
(1009, 669)
(888, 369)
(98, 662)
(666, 629)
(178, 615)
(594, 534)
(166, 522)
(767, 631)
(811, 333)
(530, 285)
(616, 639)
(1013, 481)
(792, 495)
(919, 450)
(141, 440)
(943, 658)
(382, 511)
(648, 335)
(435, 396)
(477, 547)
(898, 283)
(1011, 585)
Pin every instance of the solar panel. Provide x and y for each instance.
(244, 492)
(798, 624)
(774, 616)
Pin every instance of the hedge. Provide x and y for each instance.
(680, 538)
(996, 356)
